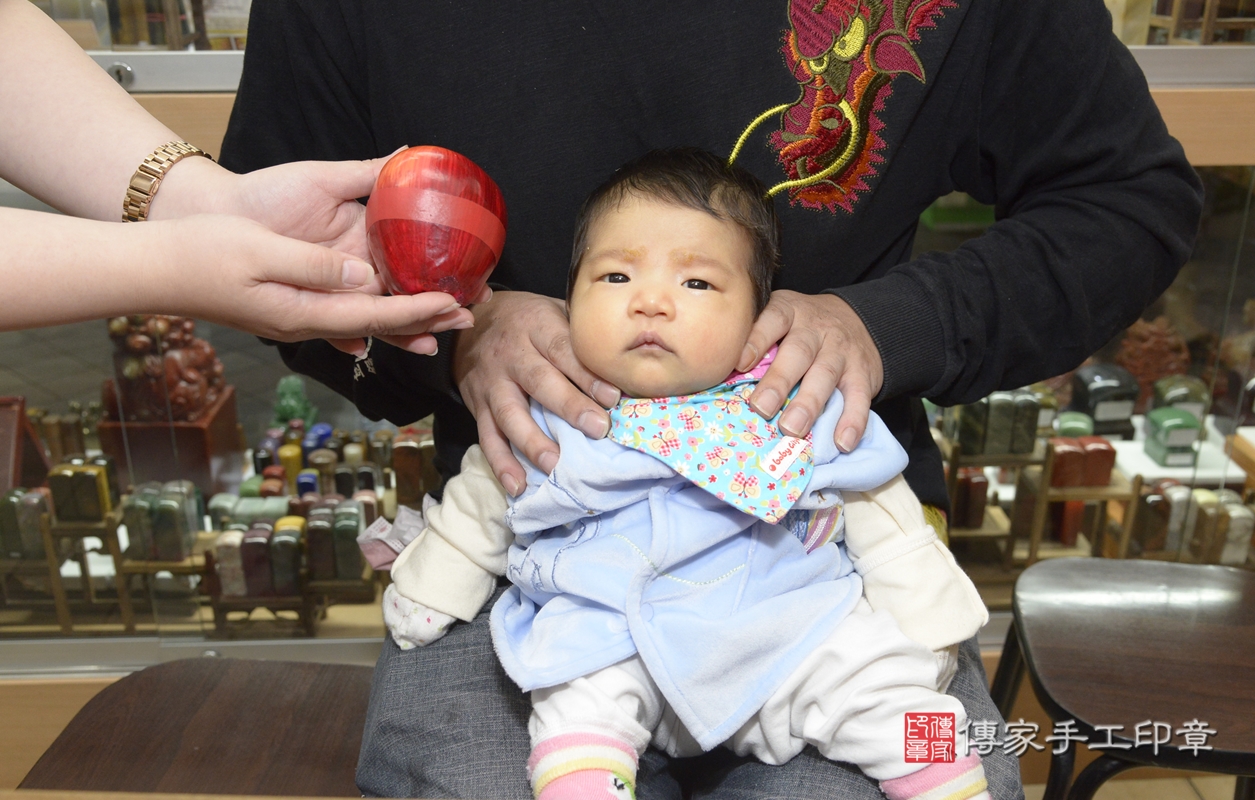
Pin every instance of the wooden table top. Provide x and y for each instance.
(1118, 642)
(216, 725)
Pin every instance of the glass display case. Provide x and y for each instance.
(1162, 497)
(1161, 405)
(222, 25)
(146, 25)
(143, 442)
(1193, 352)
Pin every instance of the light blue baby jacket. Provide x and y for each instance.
(616, 554)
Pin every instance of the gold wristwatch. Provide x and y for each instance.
(146, 180)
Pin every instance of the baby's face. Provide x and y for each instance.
(663, 302)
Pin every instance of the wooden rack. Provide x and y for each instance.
(996, 524)
(1033, 473)
(1120, 490)
(107, 531)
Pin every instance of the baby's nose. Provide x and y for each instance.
(653, 302)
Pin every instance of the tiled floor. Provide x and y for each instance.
(52, 366)
(1214, 787)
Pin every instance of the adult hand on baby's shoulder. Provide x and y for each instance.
(825, 346)
(520, 347)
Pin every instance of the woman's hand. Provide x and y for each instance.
(314, 201)
(239, 273)
(520, 347)
(823, 344)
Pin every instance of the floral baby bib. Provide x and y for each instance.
(718, 442)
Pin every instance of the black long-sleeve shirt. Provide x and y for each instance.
(1030, 105)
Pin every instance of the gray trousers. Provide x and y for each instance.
(445, 721)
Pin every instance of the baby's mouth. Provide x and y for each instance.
(648, 340)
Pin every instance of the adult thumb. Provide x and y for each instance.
(349, 180)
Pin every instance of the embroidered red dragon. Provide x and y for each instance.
(845, 55)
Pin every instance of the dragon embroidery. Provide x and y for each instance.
(844, 55)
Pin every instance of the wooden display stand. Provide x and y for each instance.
(207, 452)
(310, 605)
(361, 590)
(194, 564)
(28, 567)
(22, 459)
(1036, 479)
(107, 531)
(306, 605)
(1242, 451)
(996, 524)
(1025, 545)
(1175, 23)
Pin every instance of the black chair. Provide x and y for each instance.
(1117, 643)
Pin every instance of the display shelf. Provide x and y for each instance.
(1082, 549)
(1241, 448)
(311, 604)
(20, 567)
(996, 525)
(306, 607)
(194, 564)
(1213, 468)
(951, 452)
(361, 590)
(1120, 489)
(1004, 491)
(107, 531)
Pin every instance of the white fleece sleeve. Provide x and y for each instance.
(906, 569)
(412, 624)
(452, 566)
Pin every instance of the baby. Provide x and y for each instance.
(699, 577)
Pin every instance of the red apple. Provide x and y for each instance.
(435, 223)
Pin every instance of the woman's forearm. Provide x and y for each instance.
(218, 268)
(72, 137)
(58, 269)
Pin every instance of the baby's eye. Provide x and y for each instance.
(615, 277)
(695, 283)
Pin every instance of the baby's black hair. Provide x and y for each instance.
(692, 178)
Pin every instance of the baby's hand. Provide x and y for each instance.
(412, 624)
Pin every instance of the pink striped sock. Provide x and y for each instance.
(960, 779)
(579, 766)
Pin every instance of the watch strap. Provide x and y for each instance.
(147, 179)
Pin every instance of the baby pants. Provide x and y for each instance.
(848, 699)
